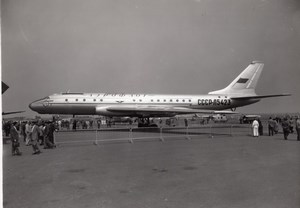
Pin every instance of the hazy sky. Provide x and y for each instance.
(154, 46)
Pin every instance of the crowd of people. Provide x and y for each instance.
(41, 133)
(34, 133)
(287, 125)
(75, 124)
(38, 133)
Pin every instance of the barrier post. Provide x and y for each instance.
(230, 130)
(96, 139)
(54, 137)
(130, 135)
(160, 135)
(187, 134)
(211, 134)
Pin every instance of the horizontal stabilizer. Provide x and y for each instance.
(258, 96)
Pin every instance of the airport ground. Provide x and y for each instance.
(223, 171)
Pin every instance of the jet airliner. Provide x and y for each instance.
(240, 92)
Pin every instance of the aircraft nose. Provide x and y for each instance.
(39, 105)
(34, 106)
(31, 106)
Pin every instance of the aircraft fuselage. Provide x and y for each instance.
(97, 103)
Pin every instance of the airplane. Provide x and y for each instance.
(240, 92)
(4, 88)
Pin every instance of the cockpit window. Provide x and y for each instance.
(45, 98)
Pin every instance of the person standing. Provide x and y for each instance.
(28, 132)
(35, 132)
(48, 135)
(186, 124)
(59, 124)
(99, 123)
(271, 126)
(7, 127)
(74, 125)
(286, 128)
(41, 133)
(298, 128)
(14, 135)
(276, 126)
(255, 126)
(291, 122)
(260, 127)
(22, 130)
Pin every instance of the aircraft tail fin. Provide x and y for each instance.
(245, 83)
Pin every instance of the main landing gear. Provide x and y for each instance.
(145, 122)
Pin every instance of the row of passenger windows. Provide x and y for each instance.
(140, 100)
(83, 100)
(101, 100)
(165, 100)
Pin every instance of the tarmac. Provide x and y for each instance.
(223, 171)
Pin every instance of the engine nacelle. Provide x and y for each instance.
(104, 112)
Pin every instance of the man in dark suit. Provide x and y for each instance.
(14, 135)
(49, 141)
(286, 128)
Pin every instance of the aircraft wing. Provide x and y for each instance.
(158, 110)
(12, 112)
(258, 96)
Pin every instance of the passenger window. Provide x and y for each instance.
(94, 100)
(66, 99)
(83, 99)
(76, 99)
